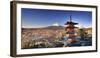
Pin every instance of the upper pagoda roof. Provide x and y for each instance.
(70, 22)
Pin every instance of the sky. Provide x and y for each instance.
(36, 18)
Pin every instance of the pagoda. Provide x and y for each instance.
(70, 28)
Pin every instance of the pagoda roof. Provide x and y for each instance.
(71, 27)
(71, 23)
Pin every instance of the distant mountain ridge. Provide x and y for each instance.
(55, 27)
(48, 27)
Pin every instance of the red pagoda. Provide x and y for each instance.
(70, 28)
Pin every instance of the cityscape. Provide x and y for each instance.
(55, 28)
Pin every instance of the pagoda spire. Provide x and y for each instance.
(70, 19)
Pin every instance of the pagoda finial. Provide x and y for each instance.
(70, 18)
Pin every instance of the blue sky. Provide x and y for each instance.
(35, 18)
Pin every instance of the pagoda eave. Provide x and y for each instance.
(71, 27)
(71, 23)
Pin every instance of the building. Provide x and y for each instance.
(70, 28)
